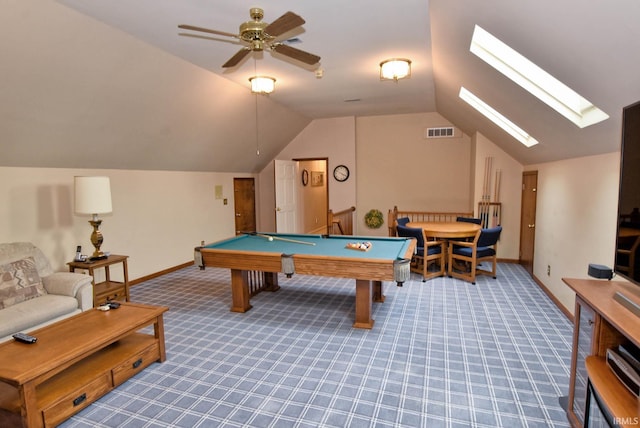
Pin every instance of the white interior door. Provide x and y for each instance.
(286, 173)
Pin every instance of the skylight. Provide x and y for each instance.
(538, 82)
(514, 130)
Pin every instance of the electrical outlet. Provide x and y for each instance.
(548, 270)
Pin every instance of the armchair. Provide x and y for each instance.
(60, 295)
(427, 253)
(482, 248)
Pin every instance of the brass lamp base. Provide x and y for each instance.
(96, 239)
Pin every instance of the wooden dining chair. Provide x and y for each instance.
(469, 220)
(402, 221)
(483, 248)
(428, 252)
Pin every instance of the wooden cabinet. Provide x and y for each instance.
(601, 323)
(43, 384)
(583, 334)
(88, 380)
(107, 289)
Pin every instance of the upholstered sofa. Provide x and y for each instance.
(32, 295)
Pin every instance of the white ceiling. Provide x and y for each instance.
(593, 48)
(352, 38)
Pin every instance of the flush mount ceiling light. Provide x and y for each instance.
(538, 82)
(511, 128)
(395, 69)
(262, 84)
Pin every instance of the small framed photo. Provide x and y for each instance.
(317, 178)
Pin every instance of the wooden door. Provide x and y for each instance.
(528, 219)
(244, 201)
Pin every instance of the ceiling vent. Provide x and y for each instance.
(441, 132)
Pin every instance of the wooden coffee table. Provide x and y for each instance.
(75, 361)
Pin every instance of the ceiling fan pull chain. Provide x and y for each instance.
(257, 133)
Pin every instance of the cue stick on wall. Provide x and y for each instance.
(278, 238)
(486, 192)
(496, 198)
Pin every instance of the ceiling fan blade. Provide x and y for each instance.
(216, 39)
(286, 22)
(234, 60)
(207, 30)
(297, 54)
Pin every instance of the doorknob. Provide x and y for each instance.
(531, 226)
(238, 215)
(278, 209)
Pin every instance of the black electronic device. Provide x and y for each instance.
(631, 354)
(623, 371)
(627, 250)
(113, 305)
(25, 338)
(79, 256)
(600, 271)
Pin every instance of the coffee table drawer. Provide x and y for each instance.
(135, 364)
(76, 400)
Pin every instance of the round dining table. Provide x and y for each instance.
(447, 230)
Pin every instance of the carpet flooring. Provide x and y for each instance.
(442, 353)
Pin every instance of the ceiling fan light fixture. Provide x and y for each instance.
(262, 84)
(395, 69)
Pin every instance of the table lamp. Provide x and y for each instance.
(93, 196)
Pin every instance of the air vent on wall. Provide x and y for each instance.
(442, 132)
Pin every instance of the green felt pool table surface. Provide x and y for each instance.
(332, 245)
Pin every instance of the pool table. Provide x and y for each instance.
(388, 259)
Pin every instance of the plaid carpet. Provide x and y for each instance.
(444, 353)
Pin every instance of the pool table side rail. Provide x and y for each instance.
(342, 267)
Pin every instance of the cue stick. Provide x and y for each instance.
(295, 241)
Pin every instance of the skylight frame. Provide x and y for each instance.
(534, 79)
(496, 117)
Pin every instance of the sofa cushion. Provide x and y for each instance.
(33, 312)
(19, 281)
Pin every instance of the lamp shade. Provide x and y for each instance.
(92, 195)
(395, 68)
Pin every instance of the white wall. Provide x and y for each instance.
(398, 166)
(510, 192)
(576, 219)
(158, 217)
(323, 138)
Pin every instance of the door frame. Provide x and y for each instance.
(327, 180)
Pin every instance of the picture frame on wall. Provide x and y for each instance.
(317, 178)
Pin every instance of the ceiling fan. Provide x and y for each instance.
(261, 35)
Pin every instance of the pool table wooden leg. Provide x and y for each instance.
(364, 300)
(240, 291)
(377, 292)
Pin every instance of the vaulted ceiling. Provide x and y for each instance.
(114, 83)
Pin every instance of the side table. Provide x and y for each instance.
(107, 289)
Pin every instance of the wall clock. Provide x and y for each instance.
(305, 177)
(341, 173)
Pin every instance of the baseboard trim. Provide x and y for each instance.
(157, 274)
(553, 298)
